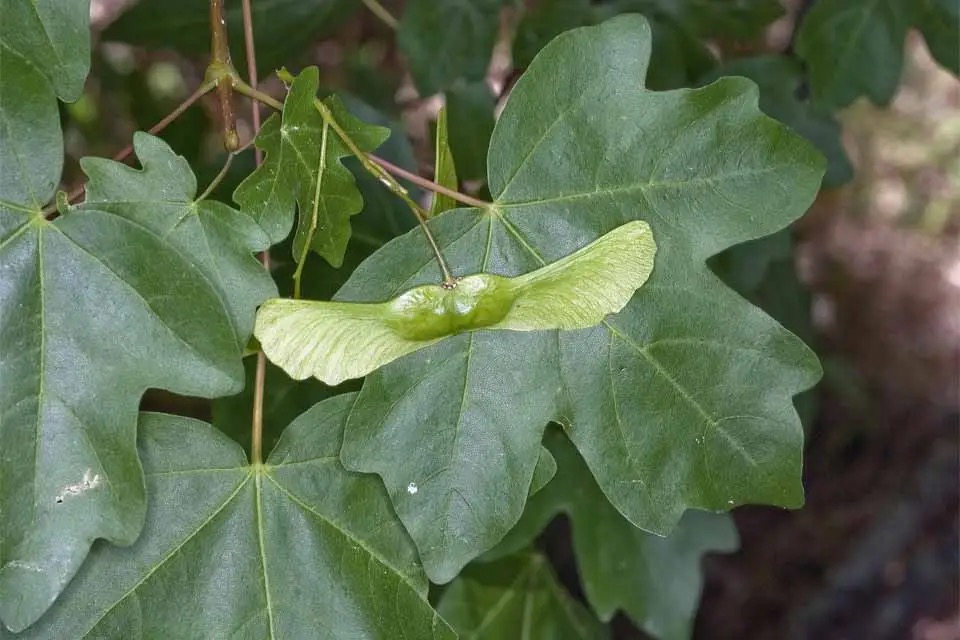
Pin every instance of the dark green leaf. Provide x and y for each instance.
(97, 306)
(780, 79)
(622, 567)
(445, 173)
(282, 28)
(470, 114)
(517, 597)
(682, 399)
(855, 49)
(216, 239)
(733, 19)
(293, 548)
(53, 37)
(939, 21)
(297, 173)
(678, 58)
(448, 41)
(540, 25)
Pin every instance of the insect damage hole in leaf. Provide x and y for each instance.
(336, 341)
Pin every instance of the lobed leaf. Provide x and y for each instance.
(337, 341)
(780, 79)
(303, 170)
(293, 548)
(115, 297)
(656, 581)
(683, 399)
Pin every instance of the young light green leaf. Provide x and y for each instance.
(448, 41)
(856, 48)
(622, 567)
(337, 341)
(296, 174)
(517, 597)
(779, 79)
(97, 306)
(274, 550)
(681, 400)
(444, 171)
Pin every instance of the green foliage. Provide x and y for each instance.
(470, 115)
(674, 398)
(302, 169)
(282, 28)
(779, 79)
(516, 597)
(233, 546)
(444, 171)
(682, 437)
(448, 41)
(621, 566)
(855, 49)
(70, 472)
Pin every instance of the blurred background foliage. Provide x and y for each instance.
(870, 277)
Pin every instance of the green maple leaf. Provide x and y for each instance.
(303, 169)
(516, 597)
(856, 48)
(53, 37)
(779, 79)
(280, 550)
(681, 400)
(621, 566)
(138, 287)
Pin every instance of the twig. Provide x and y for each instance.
(122, 155)
(429, 185)
(260, 376)
(381, 12)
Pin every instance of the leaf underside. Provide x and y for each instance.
(681, 400)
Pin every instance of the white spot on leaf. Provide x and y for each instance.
(412, 488)
(89, 481)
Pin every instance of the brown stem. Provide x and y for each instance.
(220, 58)
(251, 49)
(260, 376)
(124, 153)
(429, 185)
(381, 12)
